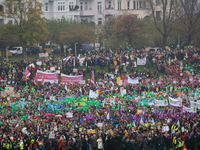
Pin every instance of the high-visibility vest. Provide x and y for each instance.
(58, 68)
(179, 144)
(8, 146)
(4, 145)
(21, 146)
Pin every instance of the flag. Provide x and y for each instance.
(87, 118)
(39, 107)
(156, 113)
(35, 80)
(184, 147)
(92, 78)
(120, 110)
(74, 61)
(66, 88)
(192, 116)
(97, 115)
(178, 123)
(40, 145)
(123, 117)
(92, 118)
(42, 80)
(182, 112)
(57, 89)
(48, 93)
(141, 121)
(188, 115)
(108, 114)
(135, 117)
(175, 117)
(169, 114)
(113, 115)
(142, 113)
(81, 120)
(130, 116)
(27, 72)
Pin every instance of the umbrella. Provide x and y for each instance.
(48, 114)
(58, 116)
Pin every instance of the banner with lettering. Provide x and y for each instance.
(175, 102)
(161, 102)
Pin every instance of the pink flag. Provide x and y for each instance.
(35, 80)
(27, 72)
(92, 79)
(183, 81)
(42, 80)
(191, 79)
(159, 82)
(174, 81)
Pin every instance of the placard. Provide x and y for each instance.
(52, 69)
(99, 125)
(82, 82)
(75, 70)
(39, 63)
(69, 115)
(51, 135)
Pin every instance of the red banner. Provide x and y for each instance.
(70, 79)
(47, 77)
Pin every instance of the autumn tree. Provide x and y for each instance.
(189, 17)
(126, 27)
(7, 38)
(83, 33)
(29, 24)
(163, 14)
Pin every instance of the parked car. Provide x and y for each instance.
(32, 50)
(16, 51)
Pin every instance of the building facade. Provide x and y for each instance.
(96, 10)
(60, 8)
(140, 8)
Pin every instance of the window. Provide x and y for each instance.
(144, 4)
(119, 5)
(81, 5)
(137, 4)
(157, 2)
(99, 7)
(140, 4)
(15, 22)
(1, 8)
(46, 7)
(99, 20)
(61, 6)
(15, 9)
(158, 15)
(134, 7)
(109, 5)
(10, 21)
(128, 7)
(71, 5)
(86, 6)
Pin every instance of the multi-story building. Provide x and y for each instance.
(140, 8)
(96, 10)
(52, 9)
(60, 8)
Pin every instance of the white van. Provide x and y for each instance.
(16, 50)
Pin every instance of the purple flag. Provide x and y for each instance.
(160, 114)
(156, 113)
(175, 117)
(123, 117)
(182, 112)
(192, 116)
(57, 89)
(135, 117)
(169, 114)
(87, 118)
(188, 115)
(163, 115)
(48, 93)
(142, 113)
(120, 111)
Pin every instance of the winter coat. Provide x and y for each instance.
(145, 144)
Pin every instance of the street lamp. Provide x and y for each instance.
(104, 43)
(75, 48)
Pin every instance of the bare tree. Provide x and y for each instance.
(189, 16)
(164, 24)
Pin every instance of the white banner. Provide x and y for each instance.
(175, 102)
(43, 54)
(191, 109)
(69, 115)
(161, 103)
(141, 61)
(94, 94)
(133, 81)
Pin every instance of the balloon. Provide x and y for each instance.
(32, 105)
(130, 125)
(21, 113)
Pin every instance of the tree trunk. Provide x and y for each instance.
(3, 54)
(189, 38)
(164, 41)
(24, 52)
(61, 49)
(43, 45)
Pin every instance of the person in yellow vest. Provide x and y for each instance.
(21, 145)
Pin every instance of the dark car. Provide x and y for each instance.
(32, 50)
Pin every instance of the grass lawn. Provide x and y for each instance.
(128, 69)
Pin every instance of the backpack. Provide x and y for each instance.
(70, 144)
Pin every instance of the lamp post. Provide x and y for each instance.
(75, 48)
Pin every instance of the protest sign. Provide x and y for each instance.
(161, 102)
(175, 102)
(93, 94)
(141, 61)
(70, 79)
